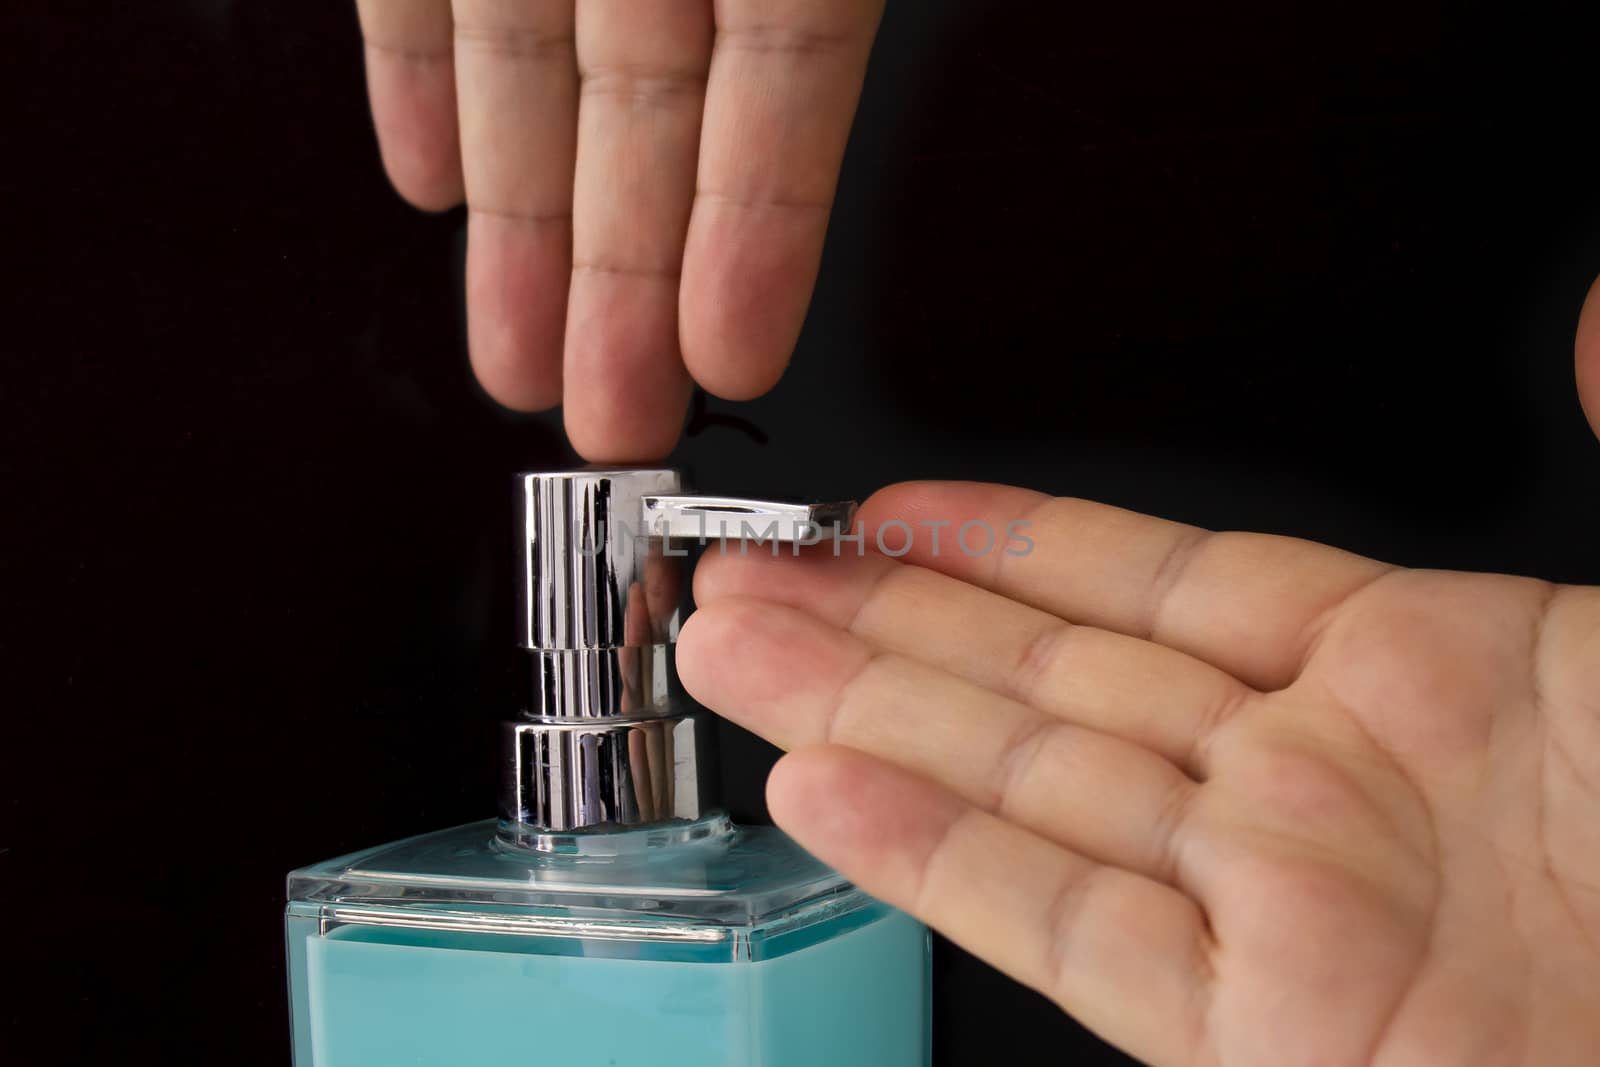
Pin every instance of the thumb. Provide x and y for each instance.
(1588, 368)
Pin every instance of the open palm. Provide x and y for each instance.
(1227, 798)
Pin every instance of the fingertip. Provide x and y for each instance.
(431, 195)
(746, 286)
(695, 652)
(716, 575)
(822, 581)
(414, 116)
(918, 497)
(516, 310)
(804, 781)
(737, 569)
(510, 378)
(903, 497)
(736, 372)
(762, 664)
(626, 388)
(421, 178)
(855, 812)
(1587, 365)
(944, 501)
(706, 667)
(610, 430)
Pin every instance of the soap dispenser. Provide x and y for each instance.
(612, 914)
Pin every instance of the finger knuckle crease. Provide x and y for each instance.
(881, 586)
(1034, 663)
(407, 53)
(1061, 925)
(515, 42)
(1002, 560)
(1019, 756)
(643, 84)
(612, 268)
(837, 719)
(927, 882)
(1214, 717)
(1179, 557)
(776, 38)
(510, 214)
(1171, 819)
(757, 201)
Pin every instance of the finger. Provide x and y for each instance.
(517, 80)
(785, 78)
(648, 767)
(411, 80)
(1125, 956)
(797, 681)
(1250, 604)
(650, 606)
(643, 69)
(1095, 678)
(1588, 365)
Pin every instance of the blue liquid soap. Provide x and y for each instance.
(702, 945)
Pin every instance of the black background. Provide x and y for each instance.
(1305, 268)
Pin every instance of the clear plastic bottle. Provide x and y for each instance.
(611, 916)
(705, 946)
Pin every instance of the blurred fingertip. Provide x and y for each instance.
(430, 192)
(735, 376)
(704, 641)
(414, 117)
(516, 311)
(510, 378)
(614, 438)
(940, 499)
(624, 403)
(855, 811)
(738, 330)
(427, 177)
(710, 579)
(721, 574)
(805, 780)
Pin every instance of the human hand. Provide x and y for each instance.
(647, 186)
(1226, 798)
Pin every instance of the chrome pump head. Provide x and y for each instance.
(607, 739)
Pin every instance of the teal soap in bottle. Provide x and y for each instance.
(611, 915)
